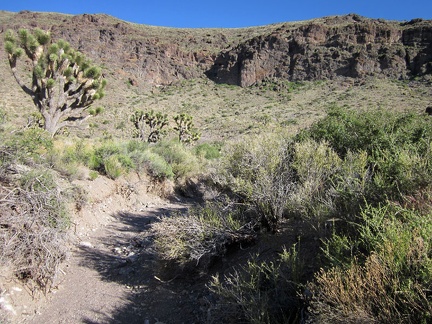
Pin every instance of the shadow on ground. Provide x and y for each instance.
(127, 256)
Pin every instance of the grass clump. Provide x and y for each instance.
(208, 151)
(110, 159)
(199, 237)
(181, 159)
(153, 163)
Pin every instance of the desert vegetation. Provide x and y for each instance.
(318, 191)
(63, 83)
(360, 181)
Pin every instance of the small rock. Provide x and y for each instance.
(132, 258)
(85, 244)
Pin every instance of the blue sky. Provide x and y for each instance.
(228, 13)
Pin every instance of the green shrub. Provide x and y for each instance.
(100, 154)
(136, 145)
(111, 159)
(389, 280)
(326, 185)
(30, 143)
(153, 163)
(113, 167)
(208, 151)
(397, 145)
(93, 175)
(304, 179)
(182, 160)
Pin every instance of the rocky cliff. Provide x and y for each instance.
(328, 48)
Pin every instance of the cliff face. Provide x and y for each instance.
(147, 54)
(328, 48)
(349, 46)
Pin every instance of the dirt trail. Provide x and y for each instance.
(110, 275)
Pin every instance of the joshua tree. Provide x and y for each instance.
(156, 122)
(63, 82)
(186, 132)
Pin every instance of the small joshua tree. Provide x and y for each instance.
(138, 119)
(185, 128)
(155, 121)
(63, 82)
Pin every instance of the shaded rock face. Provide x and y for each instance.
(348, 46)
(126, 49)
(327, 48)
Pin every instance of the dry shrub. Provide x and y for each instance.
(33, 227)
(368, 294)
(263, 292)
(258, 170)
(199, 237)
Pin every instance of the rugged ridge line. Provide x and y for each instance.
(328, 48)
(350, 46)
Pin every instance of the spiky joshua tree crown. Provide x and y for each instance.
(63, 83)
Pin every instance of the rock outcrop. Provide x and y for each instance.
(328, 48)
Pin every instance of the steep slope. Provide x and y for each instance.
(328, 48)
(154, 55)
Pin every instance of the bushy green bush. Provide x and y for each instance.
(111, 159)
(153, 163)
(306, 180)
(100, 154)
(398, 146)
(31, 143)
(208, 151)
(326, 185)
(164, 160)
(182, 160)
(388, 279)
(66, 158)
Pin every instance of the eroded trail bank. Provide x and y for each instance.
(111, 273)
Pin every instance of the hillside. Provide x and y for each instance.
(349, 46)
(346, 60)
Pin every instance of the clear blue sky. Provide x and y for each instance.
(227, 13)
